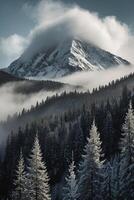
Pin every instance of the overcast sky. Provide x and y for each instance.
(15, 19)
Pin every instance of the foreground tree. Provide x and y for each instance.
(127, 157)
(110, 183)
(70, 190)
(90, 171)
(114, 183)
(37, 177)
(20, 182)
(106, 183)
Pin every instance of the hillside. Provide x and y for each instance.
(25, 86)
(6, 77)
(73, 101)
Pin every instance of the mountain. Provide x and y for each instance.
(63, 59)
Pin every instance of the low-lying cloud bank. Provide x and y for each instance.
(56, 21)
(90, 80)
(11, 102)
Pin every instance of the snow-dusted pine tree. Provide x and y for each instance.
(90, 168)
(71, 188)
(127, 157)
(20, 182)
(37, 177)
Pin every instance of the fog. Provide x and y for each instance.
(90, 80)
(12, 102)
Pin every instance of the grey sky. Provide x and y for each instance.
(15, 20)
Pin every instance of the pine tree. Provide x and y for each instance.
(106, 182)
(78, 142)
(20, 192)
(37, 177)
(90, 168)
(70, 189)
(110, 183)
(108, 135)
(127, 157)
(114, 183)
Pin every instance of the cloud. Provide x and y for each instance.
(90, 80)
(16, 102)
(11, 48)
(56, 21)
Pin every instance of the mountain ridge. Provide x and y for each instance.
(6, 77)
(67, 57)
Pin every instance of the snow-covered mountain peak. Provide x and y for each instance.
(68, 56)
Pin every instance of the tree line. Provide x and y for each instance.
(100, 150)
(95, 178)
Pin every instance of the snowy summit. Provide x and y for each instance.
(65, 58)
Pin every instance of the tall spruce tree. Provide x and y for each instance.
(37, 177)
(90, 168)
(20, 182)
(71, 188)
(127, 157)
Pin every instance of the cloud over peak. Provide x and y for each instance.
(56, 21)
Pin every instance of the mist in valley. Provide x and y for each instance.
(90, 80)
(12, 102)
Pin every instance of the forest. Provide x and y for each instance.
(86, 153)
